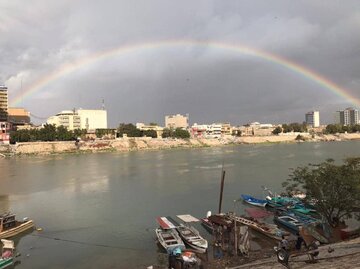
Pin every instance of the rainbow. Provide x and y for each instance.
(127, 49)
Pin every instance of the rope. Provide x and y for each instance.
(90, 244)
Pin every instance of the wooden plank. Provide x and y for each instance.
(187, 218)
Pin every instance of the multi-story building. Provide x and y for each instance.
(312, 118)
(18, 116)
(177, 121)
(66, 118)
(3, 103)
(80, 119)
(349, 116)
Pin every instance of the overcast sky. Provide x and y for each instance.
(213, 85)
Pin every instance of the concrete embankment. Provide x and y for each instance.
(146, 143)
(344, 255)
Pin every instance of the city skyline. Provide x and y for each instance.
(234, 61)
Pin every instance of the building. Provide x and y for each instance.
(5, 128)
(177, 121)
(349, 116)
(3, 103)
(18, 116)
(312, 119)
(143, 127)
(66, 118)
(92, 119)
(80, 119)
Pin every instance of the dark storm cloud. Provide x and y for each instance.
(209, 84)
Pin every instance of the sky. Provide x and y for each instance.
(212, 84)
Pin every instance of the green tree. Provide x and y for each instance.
(181, 133)
(129, 129)
(167, 133)
(286, 128)
(334, 188)
(277, 130)
(63, 134)
(149, 133)
(47, 133)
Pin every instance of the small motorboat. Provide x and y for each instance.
(167, 235)
(7, 256)
(254, 201)
(10, 227)
(192, 238)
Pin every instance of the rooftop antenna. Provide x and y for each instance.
(103, 104)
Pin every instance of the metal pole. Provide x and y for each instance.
(221, 189)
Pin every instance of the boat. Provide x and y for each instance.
(167, 235)
(254, 201)
(10, 227)
(192, 238)
(207, 225)
(7, 256)
(293, 222)
(270, 230)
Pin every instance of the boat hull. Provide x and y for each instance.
(253, 201)
(24, 226)
(6, 263)
(174, 243)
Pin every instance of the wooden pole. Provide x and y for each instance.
(221, 189)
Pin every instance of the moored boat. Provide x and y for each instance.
(293, 222)
(267, 229)
(7, 256)
(254, 201)
(167, 235)
(192, 237)
(10, 227)
(207, 225)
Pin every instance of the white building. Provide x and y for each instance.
(92, 119)
(312, 118)
(349, 116)
(80, 119)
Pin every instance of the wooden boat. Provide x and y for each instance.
(192, 237)
(267, 229)
(7, 256)
(10, 227)
(207, 225)
(254, 201)
(167, 235)
(293, 222)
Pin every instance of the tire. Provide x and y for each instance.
(313, 247)
(282, 256)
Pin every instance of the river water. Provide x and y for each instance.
(99, 210)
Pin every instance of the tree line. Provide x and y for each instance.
(330, 128)
(48, 132)
(131, 131)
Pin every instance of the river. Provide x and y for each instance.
(99, 210)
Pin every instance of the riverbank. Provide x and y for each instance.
(344, 254)
(147, 143)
